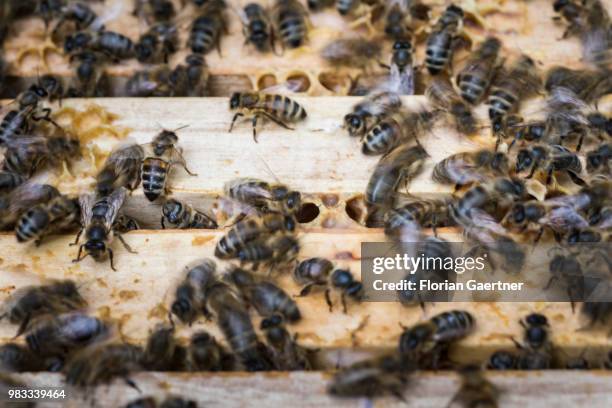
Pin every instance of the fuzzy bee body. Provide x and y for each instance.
(289, 19)
(57, 215)
(13, 125)
(439, 48)
(157, 44)
(9, 181)
(207, 29)
(366, 114)
(183, 216)
(275, 251)
(116, 46)
(121, 169)
(469, 167)
(189, 296)
(286, 354)
(475, 78)
(263, 196)
(443, 96)
(257, 27)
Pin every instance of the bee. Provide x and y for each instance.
(367, 113)
(550, 158)
(235, 323)
(475, 390)
(509, 88)
(155, 168)
(190, 294)
(162, 352)
(599, 160)
(402, 164)
(475, 78)
(357, 52)
(190, 79)
(114, 45)
(267, 298)
(59, 214)
(567, 269)
(9, 181)
(101, 363)
(439, 48)
(204, 353)
(21, 199)
(125, 224)
(154, 10)
(121, 169)
(14, 124)
(431, 339)
(274, 252)
(206, 29)
(18, 359)
(154, 82)
(537, 348)
(66, 332)
(397, 20)
(588, 85)
(157, 44)
(502, 360)
(183, 216)
(290, 21)
(277, 108)
(31, 302)
(27, 155)
(90, 79)
(471, 167)
(317, 5)
(316, 272)
(404, 222)
(53, 86)
(442, 96)
(312, 272)
(400, 127)
(251, 229)
(256, 27)
(287, 354)
(97, 220)
(598, 309)
(77, 12)
(47, 9)
(388, 374)
(263, 196)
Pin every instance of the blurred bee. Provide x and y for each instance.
(101, 363)
(256, 27)
(207, 29)
(14, 124)
(263, 196)
(30, 302)
(157, 167)
(471, 167)
(157, 44)
(367, 113)
(121, 169)
(251, 229)
(191, 78)
(312, 272)
(57, 334)
(153, 82)
(475, 390)
(9, 181)
(536, 350)
(290, 21)
(277, 108)
(318, 5)
(53, 86)
(315, 272)
(21, 199)
(154, 10)
(183, 216)
(115, 46)
(509, 88)
(77, 12)
(400, 16)
(400, 127)
(567, 270)
(352, 52)
(385, 375)
(442, 96)
(440, 43)
(274, 252)
(97, 220)
(287, 354)
(16, 358)
(204, 353)
(59, 214)
(401, 70)
(125, 224)
(189, 297)
(162, 352)
(599, 160)
(267, 298)
(47, 10)
(235, 323)
(27, 155)
(475, 78)
(90, 79)
(428, 342)
(588, 85)
(549, 158)
(403, 223)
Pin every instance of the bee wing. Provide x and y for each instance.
(485, 221)
(401, 82)
(596, 47)
(290, 86)
(564, 104)
(576, 201)
(125, 153)
(115, 201)
(254, 189)
(86, 202)
(563, 218)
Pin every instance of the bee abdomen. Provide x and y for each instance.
(154, 173)
(501, 102)
(438, 51)
(201, 221)
(382, 138)
(255, 252)
(204, 34)
(31, 224)
(284, 108)
(292, 28)
(472, 87)
(452, 325)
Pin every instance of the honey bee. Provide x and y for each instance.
(427, 342)
(157, 44)
(204, 353)
(154, 10)
(401, 68)
(471, 167)
(400, 127)
(9, 181)
(31, 302)
(475, 78)
(277, 108)
(275, 252)
(155, 168)
(27, 155)
(599, 160)
(551, 159)
(256, 27)
(404, 222)
(317, 5)
(312, 272)
(235, 323)
(101, 363)
(315, 272)
(263, 196)
(206, 29)
(267, 298)
(536, 350)
(90, 79)
(53, 86)
(153, 82)
(14, 125)
(190, 79)
(59, 214)
(400, 16)
(475, 390)
(567, 270)
(440, 47)
(290, 21)
(509, 88)
(251, 229)
(121, 169)
(97, 220)
(385, 375)
(588, 85)
(367, 113)
(162, 352)
(125, 224)
(18, 359)
(21, 199)
(352, 52)
(114, 45)
(190, 294)
(57, 334)
(183, 216)
(442, 96)
(77, 12)
(287, 354)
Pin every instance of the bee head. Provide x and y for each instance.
(502, 360)
(414, 337)
(518, 213)
(342, 278)
(171, 210)
(235, 100)
(534, 212)
(293, 201)
(95, 248)
(524, 160)
(354, 123)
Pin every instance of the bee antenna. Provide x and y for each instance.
(268, 169)
(180, 128)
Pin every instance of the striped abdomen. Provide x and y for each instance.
(12, 126)
(438, 52)
(205, 33)
(249, 191)
(32, 224)
(565, 159)
(382, 137)
(382, 185)
(502, 100)
(242, 233)
(283, 108)
(154, 173)
(452, 325)
(291, 27)
(9, 181)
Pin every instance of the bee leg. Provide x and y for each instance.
(549, 174)
(236, 116)
(254, 122)
(112, 259)
(23, 326)
(550, 281)
(343, 300)
(78, 258)
(580, 141)
(328, 300)
(132, 384)
(576, 179)
(183, 163)
(162, 223)
(305, 290)
(532, 172)
(125, 244)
